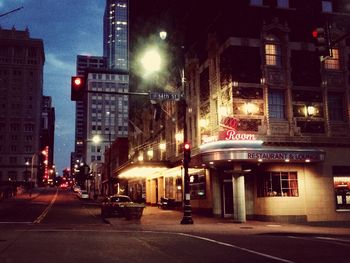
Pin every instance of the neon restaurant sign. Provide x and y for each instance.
(229, 132)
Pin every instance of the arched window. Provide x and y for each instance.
(272, 51)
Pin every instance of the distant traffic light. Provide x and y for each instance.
(77, 88)
(187, 152)
(321, 39)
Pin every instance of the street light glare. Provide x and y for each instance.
(162, 35)
(151, 61)
(96, 139)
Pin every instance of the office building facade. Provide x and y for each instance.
(21, 90)
(105, 115)
(116, 34)
(83, 63)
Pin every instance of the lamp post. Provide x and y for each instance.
(109, 154)
(26, 173)
(187, 216)
(152, 63)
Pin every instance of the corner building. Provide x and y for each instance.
(268, 120)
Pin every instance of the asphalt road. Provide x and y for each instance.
(58, 227)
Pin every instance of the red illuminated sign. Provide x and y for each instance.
(230, 125)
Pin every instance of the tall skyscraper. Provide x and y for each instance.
(116, 34)
(21, 92)
(84, 63)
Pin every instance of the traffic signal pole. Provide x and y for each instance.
(187, 216)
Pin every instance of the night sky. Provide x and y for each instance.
(73, 27)
(68, 28)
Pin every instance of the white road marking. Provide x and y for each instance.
(161, 232)
(239, 248)
(43, 214)
(334, 239)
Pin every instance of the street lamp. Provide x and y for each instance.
(26, 173)
(151, 63)
(109, 154)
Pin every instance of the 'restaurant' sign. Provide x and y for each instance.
(290, 155)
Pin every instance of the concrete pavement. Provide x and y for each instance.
(156, 219)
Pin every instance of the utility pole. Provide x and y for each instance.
(14, 10)
(187, 216)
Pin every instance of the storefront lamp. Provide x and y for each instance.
(250, 108)
(162, 146)
(179, 137)
(203, 123)
(150, 153)
(311, 110)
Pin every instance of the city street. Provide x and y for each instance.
(56, 226)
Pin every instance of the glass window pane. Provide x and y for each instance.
(276, 104)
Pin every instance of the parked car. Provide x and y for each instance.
(76, 188)
(114, 205)
(83, 194)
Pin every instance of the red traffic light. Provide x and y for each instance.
(77, 88)
(187, 152)
(77, 81)
(318, 32)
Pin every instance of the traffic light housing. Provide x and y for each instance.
(321, 40)
(77, 88)
(187, 152)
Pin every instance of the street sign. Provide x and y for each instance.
(165, 96)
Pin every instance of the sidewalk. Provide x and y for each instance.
(156, 219)
(26, 194)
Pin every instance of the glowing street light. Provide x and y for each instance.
(151, 61)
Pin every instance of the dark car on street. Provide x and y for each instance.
(115, 205)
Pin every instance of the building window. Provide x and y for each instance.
(276, 104)
(13, 160)
(283, 3)
(333, 61)
(272, 55)
(335, 107)
(327, 7)
(197, 186)
(256, 2)
(278, 184)
(341, 182)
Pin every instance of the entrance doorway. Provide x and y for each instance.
(227, 198)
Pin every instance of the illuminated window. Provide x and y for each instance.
(333, 62)
(197, 186)
(282, 184)
(276, 104)
(272, 55)
(341, 182)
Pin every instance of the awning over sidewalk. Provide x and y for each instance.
(255, 152)
(150, 170)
